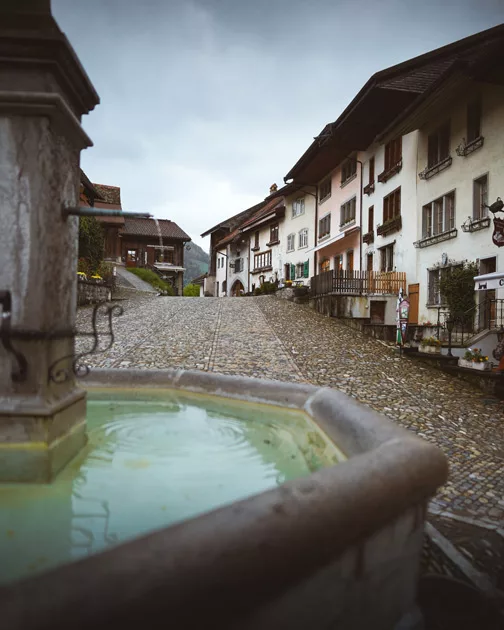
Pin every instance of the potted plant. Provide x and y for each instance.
(475, 360)
(430, 345)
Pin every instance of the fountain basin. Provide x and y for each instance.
(337, 548)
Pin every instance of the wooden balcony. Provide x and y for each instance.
(358, 283)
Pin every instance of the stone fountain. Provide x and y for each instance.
(339, 548)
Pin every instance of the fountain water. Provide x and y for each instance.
(340, 546)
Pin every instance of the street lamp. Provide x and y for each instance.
(450, 323)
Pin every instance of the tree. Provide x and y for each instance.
(191, 290)
(91, 242)
(457, 289)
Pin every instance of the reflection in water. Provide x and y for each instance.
(152, 461)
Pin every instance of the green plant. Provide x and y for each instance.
(91, 242)
(258, 291)
(457, 289)
(269, 287)
(153, 279)
(83, 267)
(430, 341)
(475, 355)
(191, 290)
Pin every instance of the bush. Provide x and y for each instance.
(91, 242)
(106, 271)
(269, 287)
(192, 290)
(457, 289)
(153, 279)
(84, 267)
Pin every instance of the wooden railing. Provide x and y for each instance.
(358, 282)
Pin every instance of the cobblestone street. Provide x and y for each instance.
(270, 338)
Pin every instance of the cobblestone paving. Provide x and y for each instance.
(270, 338)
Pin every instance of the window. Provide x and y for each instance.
(303, 238)
(480, 197)
(387, 258)
(300, 270)
(262, 260)
(392, 205)
(369, 262)
(325, 265)
(349, 260)
(439, 145)
(325, 190)
(274, 233)
(256, 240)
(291, 240)
(298, 207)
(238, 265)
(370, 219)
(325, 226)
(347, 212)
(348, 170)
(393, 153)
(217, 289)
(434, 295)
(371, 171)
(439, 216)
(290, 272)
(474, 120)
(164, 255)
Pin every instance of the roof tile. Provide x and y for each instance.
(147, 227)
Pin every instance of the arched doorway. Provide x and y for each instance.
(237, 289)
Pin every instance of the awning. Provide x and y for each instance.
(167, 267)
(489, 281)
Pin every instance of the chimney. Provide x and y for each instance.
(273, 188)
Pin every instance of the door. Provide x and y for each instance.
(349, 260)
(487, 314)
(131, 258)
(413, 291)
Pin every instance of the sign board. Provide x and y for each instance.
(489, 281)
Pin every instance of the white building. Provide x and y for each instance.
(389, 195)
(459, 171)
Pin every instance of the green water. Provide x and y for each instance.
(152, 460)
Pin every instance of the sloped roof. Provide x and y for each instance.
(148, 227)
(233, 221)
(110, 194)
(381, 100)
(229, 238)
(273, 205)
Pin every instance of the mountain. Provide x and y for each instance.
(196, 262)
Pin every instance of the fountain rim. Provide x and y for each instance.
(274, 539)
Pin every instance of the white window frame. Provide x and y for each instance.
(298, 207)
(291, 242)
(303, 238)
(478, 199)
(435, 217)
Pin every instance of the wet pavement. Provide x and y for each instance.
(266, 337)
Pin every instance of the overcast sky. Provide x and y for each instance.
(206, 103)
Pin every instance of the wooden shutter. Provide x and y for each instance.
(371, 219)
(444, 141)
(293, 272)
(307, 269)
(371, 170)
(433, 143)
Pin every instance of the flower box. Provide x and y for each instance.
(474, 365)
(430, 349)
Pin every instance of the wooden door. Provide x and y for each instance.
(131, 258)
(349, 258)
(413, 291)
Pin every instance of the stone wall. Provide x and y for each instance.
(91, 293)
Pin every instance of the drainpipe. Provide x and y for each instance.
(360, 211)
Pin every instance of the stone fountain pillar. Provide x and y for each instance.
(44, 91)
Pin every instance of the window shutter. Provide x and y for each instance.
(306, 273)
(293, 272)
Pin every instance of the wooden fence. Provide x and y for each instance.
(358, 282)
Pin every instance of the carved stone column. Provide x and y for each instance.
(44, 91)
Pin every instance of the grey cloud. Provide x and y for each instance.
(206, 102)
